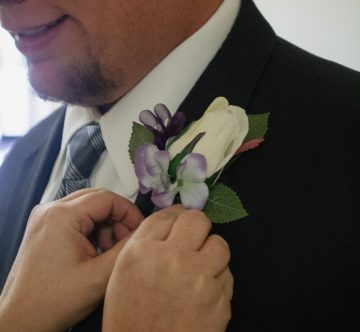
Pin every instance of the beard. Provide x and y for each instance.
(84, 84)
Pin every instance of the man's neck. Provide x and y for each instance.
(106, 107)
(202, 11)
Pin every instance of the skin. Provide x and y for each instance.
(167, 273)
(184, 282)
(120, 41)
(58, 278)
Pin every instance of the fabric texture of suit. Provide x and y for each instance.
(296, 257)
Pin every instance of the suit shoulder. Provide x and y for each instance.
(324, 76)
(310, 99)
(49, 127)
(40, 132)
(45, 127)
(297, 79)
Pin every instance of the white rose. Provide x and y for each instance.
(225, 127)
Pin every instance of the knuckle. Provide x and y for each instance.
(198, 217)
(140, 248)
(231, 276)
(160, 216)
(225, 308)
(44, 216)
(53, 212)
(197, 214)
(45, 211)
(133, 250)
(230, 279)
(228, 313)
(176, 208)
(221, 247)
(38, 210)
(103, 192)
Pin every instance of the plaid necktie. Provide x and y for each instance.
(82, 153)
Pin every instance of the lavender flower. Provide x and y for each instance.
(151, 166)
(162, 124)
(190, 184)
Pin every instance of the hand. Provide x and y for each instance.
(58, 278)
(170, 276)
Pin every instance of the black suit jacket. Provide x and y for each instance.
(296, 257)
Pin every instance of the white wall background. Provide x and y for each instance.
(328, 28)
(19, 108)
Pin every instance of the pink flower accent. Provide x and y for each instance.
(254, 143)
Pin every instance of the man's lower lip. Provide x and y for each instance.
(29, 45)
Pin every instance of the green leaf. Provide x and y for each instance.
(224, 206)
(258, 126)
(139, 136)
(174, 163)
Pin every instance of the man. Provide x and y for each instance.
(295, 259)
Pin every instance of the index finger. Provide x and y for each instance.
(78, 193)
(103, 205)
(158, 226)
(191, 230)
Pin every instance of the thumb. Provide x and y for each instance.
(100, 267)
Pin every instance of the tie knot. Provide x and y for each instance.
(87, 140)
(82, 153)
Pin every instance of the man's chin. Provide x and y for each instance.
(49, 90)
(80, 85)
(45, 82)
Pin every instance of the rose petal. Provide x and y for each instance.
(166, 198)
(225, 125)
(192, 168)
(194, 195)
(218, 103)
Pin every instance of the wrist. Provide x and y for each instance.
(18, 319)
(8, 322)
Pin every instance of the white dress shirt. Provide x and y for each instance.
(168, 83)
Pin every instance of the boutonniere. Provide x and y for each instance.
(183, 165)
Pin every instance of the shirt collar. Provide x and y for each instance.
(169, 83)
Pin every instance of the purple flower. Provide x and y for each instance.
(190, 184)
(162, 124)
(151, 166)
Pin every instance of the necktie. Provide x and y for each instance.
(82, 153)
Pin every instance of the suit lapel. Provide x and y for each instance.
(237, 67)
(30, 166)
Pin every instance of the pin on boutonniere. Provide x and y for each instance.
(180, 165)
